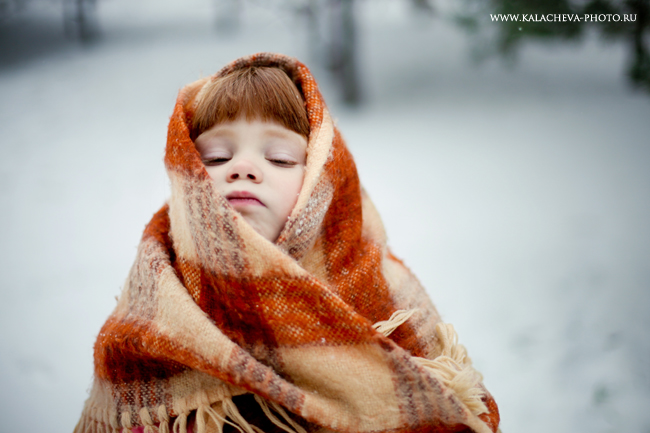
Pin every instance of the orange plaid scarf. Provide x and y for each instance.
(325, 328)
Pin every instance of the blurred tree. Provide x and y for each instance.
(79, 16)
(342, 51)
(332, 34)
(635, 33)
(424, 6)
(80, 19)
(332, 37)
(508, 34)
(342, 59)
(10, 7)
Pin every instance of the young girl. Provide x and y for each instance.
(263, 296)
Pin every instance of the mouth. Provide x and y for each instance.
(243, 198)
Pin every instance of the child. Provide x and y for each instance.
(263, 296)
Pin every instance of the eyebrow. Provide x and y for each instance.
(278, 133)
(223, 131)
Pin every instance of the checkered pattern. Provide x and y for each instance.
(211, 310)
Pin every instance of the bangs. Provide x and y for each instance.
(255, 93)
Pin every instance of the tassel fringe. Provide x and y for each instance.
(238, 421)
(163, 417)
(454, 368)
(147, 422)
(387, 327)
(180, 425)
(265, 408)
(126, 422)
(208, 417)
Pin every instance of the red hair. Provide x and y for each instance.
(262, 93)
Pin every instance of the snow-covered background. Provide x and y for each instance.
(519, 195)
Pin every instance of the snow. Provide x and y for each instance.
(518, 195)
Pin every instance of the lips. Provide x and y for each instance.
(243, 198)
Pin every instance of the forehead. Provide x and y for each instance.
(243, 125)
(243, 132)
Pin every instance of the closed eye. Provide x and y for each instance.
(282, 162)
(215, 161)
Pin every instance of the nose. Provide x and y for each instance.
(244, 170)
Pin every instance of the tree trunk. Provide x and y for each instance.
(343, 50)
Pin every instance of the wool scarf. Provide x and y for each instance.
(322, 330)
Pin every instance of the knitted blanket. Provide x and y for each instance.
(324, 329)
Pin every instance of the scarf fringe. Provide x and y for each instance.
(238, 421)
(452, 367)
(180, 424)
(265, 408)
(396, 319)
(126, 422)
(207, 418)
(96, 420)
(163, 416)
(147, 422)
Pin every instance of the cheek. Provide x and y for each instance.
(291, 185)
(217, 173)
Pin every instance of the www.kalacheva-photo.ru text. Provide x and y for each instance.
(536, 18)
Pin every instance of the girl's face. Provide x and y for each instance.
(258, 166)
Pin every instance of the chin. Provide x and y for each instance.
(263, 231)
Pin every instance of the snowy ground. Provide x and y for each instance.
(520, 197)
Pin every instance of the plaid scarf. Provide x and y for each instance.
(322, 330)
